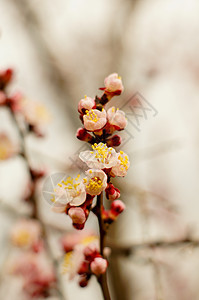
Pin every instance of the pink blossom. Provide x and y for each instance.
(70, 192)
(99, 266)
(95, 182)
(87, 103)
(121, 168)
(101, 157)
(94, 119)
(113, 84)
(116, 118)
(26, 233)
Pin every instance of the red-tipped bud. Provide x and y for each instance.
(112, 193)
(2, 98)
(114, 141)
(83, 135)
(37, 174)
(5, 78)
(117, 207)
(83, 282)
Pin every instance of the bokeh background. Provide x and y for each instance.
(60, 51)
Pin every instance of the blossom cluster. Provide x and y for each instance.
(82, 256)
(74, 196)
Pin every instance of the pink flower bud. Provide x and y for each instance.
(77, 215)
(87, 103)
(83, 135)
(113, 84)
(99, 266)
(114, 141)
(112, 193)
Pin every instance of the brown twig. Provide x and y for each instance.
(103, 277)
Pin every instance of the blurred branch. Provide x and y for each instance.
(52, 71)
(33, 200)
(130, 249)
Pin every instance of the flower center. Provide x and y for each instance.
(70, 184)
(94, 183)
(123, 161)
(3, 152)
(68, 262)
(92, 115)
(23, 238)
(101, 151)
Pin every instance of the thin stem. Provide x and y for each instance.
(102, 279)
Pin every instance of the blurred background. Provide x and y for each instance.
(61, 51)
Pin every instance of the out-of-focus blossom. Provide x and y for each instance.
(73, 260)
(70, 240)
(87, 103)
(27, 233)
(7, 148)
(94, 119)
(34, 113)
(37, 273)
(101, 157)
(83, 135)
(70, 192)
(121, 168)
(99, 266)
(112, 193)
(95, 182)
(116, 118)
